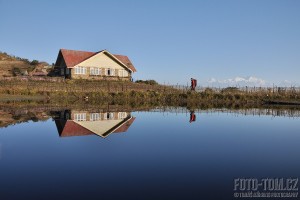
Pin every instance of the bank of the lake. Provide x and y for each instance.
(122, 92)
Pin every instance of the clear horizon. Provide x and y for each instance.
(217, 42)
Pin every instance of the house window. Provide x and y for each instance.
(95, 71)
(110, 72)
(80, 70)
(123, 73)
(80, 116)
(95, 117)
(122, 115)
(77, 70)
(92, 71)
(108, 115)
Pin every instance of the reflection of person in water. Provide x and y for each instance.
(192, 117)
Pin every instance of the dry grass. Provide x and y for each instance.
(11, 65)
(7, 68)
(124, 92)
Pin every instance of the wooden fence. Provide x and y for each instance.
(246, 89)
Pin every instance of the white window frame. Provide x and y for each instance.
(80, 70)
(112, 72)
(95, 116)
(123, 73)
(109, 115)
(80, 116)
(122, 115)
(99, 71)
(95, 71)
(92, 71)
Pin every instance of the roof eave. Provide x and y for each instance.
(105, 51)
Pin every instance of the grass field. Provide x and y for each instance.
(124, 92)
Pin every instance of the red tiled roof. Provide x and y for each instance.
(125, 126)
(73, 129)
(73, 57)
(125, 60)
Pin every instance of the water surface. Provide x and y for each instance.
(143, 155)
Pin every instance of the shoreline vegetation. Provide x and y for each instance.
(36, 100)
(15, 112)
(143, 92)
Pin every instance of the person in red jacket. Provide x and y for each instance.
(192, 117)
(193, 84)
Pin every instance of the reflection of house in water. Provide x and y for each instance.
(79, 123)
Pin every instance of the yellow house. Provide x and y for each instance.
(94, 65)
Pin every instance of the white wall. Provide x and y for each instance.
(101, 60)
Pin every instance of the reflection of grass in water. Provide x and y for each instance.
(21, 111)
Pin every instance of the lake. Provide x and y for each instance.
(171, 153)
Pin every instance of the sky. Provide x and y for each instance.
(232, 42)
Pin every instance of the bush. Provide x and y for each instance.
(34, 62)
(16, 71)
(149, 82)
(25, 60)
(237, 96)
(208, 91)
(230, 89)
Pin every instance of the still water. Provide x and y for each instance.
(77, 154)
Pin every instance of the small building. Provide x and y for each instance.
(39, 72)
(101, 65)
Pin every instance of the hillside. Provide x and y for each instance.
(16, 66)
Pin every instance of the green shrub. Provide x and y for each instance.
(149, 82)
(34, 62)
(230, 89)
(208, 91)
(16, 71)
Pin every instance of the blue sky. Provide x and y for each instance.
(217, 42)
